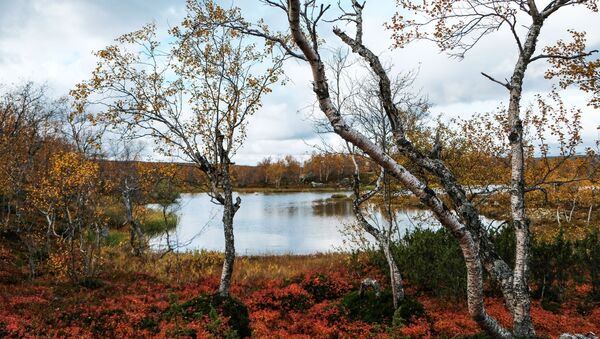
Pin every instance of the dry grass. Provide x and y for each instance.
(287, 266)
(191, 266)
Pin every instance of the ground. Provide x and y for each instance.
(286, 296)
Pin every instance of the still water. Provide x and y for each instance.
(272, 223)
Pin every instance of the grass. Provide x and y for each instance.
(194, 265)
(286, 266)
(116, 238)
(154, 222)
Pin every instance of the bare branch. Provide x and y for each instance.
(503, 84)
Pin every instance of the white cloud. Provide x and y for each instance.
(52, 41)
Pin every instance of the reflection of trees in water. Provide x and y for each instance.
(331, 208)
(282, 210)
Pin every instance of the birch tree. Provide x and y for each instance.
(193, 99)
(358, 100)
(456, 28)
(458, 214)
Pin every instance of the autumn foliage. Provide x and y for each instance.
(301, 304)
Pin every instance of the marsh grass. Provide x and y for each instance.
(194, 265)
(154, 222)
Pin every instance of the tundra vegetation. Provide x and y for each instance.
(75, 258)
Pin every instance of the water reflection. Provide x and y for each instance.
(332, 207)
(294, 223)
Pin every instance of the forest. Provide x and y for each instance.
(482, 225)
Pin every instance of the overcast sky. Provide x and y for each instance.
(52, 41)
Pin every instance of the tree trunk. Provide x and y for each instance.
(522, 325)
(229, 210)
(468, 245)
(382, 237)
(135, 229)
(395, 276)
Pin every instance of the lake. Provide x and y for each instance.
(273, 223)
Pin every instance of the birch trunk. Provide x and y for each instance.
(229, 209)
(522, 325)
(135, 229)
(468, 245)
(383, 238)
(395, 276)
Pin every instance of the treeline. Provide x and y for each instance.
(329, 170)
(319, 170)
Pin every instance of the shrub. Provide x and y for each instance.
(588, 258)
(408, 310)
(182, 333)
(289, 298)
(556, 262)
(206, 305)
(105, 322)
(148, 323)
(433, 262)
(369, 307)
(550, 265)
(3, 330)
(320, 286)
(91, 283)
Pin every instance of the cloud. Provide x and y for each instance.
(52, 41)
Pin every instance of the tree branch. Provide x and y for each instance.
(503, 84)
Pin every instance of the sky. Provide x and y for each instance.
(52, 42)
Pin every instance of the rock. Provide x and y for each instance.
(369, 283)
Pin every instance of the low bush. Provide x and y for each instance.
(369, 307)
(432, 262)
(550, 269)
(292, 297)
(148, 323)
(320, 286)
(588, 260)
(215, 307)
(408, 310)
